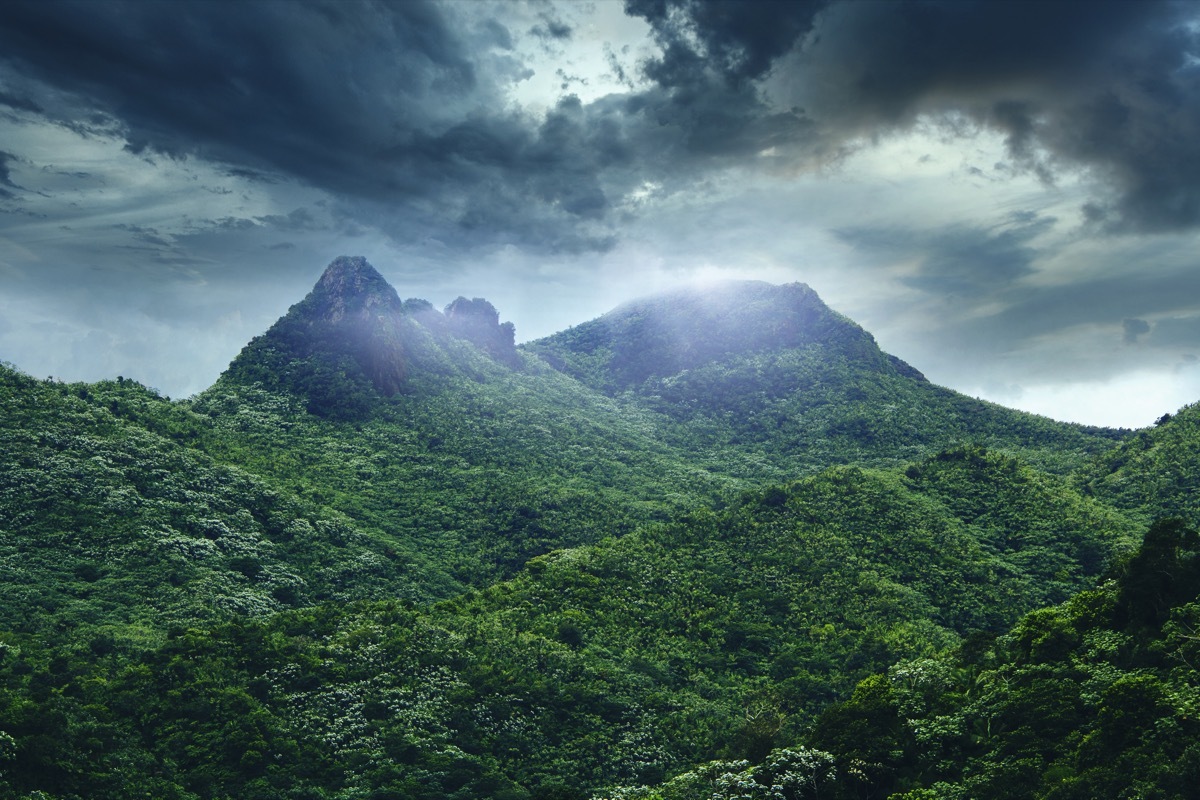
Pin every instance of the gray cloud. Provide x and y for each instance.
(1177, 332)
(1134, 329)
(396, 106)
(380, 103)
(735, 42)
(1113, 87)
(959, 261)
(550, 26)
(6, 175)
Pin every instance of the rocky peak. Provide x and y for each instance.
(478, 322)
(352, 337)
(350, 287)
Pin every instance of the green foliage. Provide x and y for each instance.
(769, 383)
(716, 636)
(1154, 473)
(110, 528)
(467, 476)
(388, 555)
(1093, 698)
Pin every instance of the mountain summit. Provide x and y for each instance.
(666, 334)
(352, 288)
(352, 340)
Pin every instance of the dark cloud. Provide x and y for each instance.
(19, 102)
(378, 102)
(1113, 87)
(6, 174)
(1134, 329)
(1176, 332)
(733, 40)
(551, 27)
(1031, 313)
(395, 105)
(959, 261)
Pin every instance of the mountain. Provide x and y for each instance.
(391, 554)
(771, 372)
(485, 456)
(352, 339)
(662, 336)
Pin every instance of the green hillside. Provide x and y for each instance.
(113, 530)
(470, 457)
(772, 373)
(1093, 698)
(719, 634)
(1155, 473)
(709, 544)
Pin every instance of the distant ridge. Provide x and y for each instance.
(665, 334)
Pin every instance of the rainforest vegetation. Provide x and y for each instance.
(714, 544)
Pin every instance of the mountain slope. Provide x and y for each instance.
(772, 372)
(664, 335)
(352, 341)
(1154, 473)
(719, 634)
(111, 530)
(483, 456)
(1093, 698)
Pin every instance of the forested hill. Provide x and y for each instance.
(717, 635)
(773, 371)
(662, 336)
(391, 554)
(1154, 473)
(468, 457)
(352, 340)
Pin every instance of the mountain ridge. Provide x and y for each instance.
(351, 339)
(504, 581)
(672, 331)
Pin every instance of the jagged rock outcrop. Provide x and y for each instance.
(363, 316)
(478, 321)
(350, 288)
(352, 339)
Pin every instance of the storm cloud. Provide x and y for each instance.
(402, 104)
(377, 102)
(1020, 174)
(5, 177)
(1110, 87)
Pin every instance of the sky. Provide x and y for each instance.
(1006, 194)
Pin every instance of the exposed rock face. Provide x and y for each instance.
(353, 290)
(478, 321)
(352, 338)
(338, 347)
(359, 313)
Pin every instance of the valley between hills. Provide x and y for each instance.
(714, 544)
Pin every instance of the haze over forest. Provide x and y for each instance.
(1007, 195)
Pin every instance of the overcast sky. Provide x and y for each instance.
(1006, 194)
